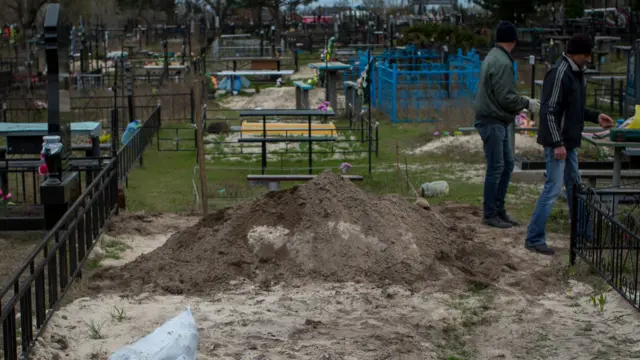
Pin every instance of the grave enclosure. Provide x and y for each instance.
(73, 213)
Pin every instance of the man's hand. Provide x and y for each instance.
(534, 105)
(605, 121)
(560, 153)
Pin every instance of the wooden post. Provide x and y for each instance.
(200, 144)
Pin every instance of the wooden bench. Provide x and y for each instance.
(621, 49)
(591, 176)
(88, 148)
(273, 181)
(286, 139)
(302, 94)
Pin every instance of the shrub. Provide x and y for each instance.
(432, 34)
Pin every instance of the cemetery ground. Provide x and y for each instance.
(508, 304)
(486, 298)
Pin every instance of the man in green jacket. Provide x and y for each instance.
(496, 106)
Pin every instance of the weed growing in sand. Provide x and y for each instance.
(95, 330)
(242, 321)
(118, 314)
(113, 248)
(599, 301)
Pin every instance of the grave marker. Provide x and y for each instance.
(633, 86)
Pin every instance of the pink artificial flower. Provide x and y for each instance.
(6, 197)
(42, 170)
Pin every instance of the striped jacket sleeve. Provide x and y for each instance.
(552, 110)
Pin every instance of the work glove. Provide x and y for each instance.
(534, 105)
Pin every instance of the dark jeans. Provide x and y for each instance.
(497, 151)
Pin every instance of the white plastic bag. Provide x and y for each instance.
(177, 339)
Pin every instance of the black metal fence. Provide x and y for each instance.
(604, 234)
(29, 299)
(177, 106)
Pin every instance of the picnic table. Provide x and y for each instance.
(618, 148)
(331, 69)
(253, 73)
(257, 62)
(264, 113)
(161, 67)
(620, 49)
(26, 138)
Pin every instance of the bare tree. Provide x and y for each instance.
(24, 12)
(373, 5)
(342, 4)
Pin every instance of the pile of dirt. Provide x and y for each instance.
(327, 229)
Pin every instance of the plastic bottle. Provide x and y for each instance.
(435, 188)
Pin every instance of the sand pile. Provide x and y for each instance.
(473, 144)
(327, 229)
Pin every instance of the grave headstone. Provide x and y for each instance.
(62, 187)
(633, 86)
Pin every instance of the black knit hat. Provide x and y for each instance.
(580, 44)
(506, 32)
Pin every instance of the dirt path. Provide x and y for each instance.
(326, 320)
(358, 321)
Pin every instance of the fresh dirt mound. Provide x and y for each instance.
(327, 229)
(143, 224)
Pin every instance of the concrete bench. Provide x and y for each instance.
(302, 94)
(273, 181)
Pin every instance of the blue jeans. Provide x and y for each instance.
(497, 152)
(558, 172)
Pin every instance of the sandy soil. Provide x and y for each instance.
(276, 98)
(472, 144)
(359, 321)
(304, 72)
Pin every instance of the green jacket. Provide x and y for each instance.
(498, 101)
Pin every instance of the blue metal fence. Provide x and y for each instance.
(422, 85)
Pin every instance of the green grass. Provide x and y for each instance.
(164, 183)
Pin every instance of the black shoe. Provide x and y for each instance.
(497, 223)
(508, 219)
(541, 249)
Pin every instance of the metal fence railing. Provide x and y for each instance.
(30, 297)
(604, 234)
(423, 85)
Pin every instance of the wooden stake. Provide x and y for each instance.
(397, 163)
(200, 144)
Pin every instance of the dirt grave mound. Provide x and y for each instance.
(327, 229)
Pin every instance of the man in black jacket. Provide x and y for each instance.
(562, 117)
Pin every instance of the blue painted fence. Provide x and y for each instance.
(422, 85)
